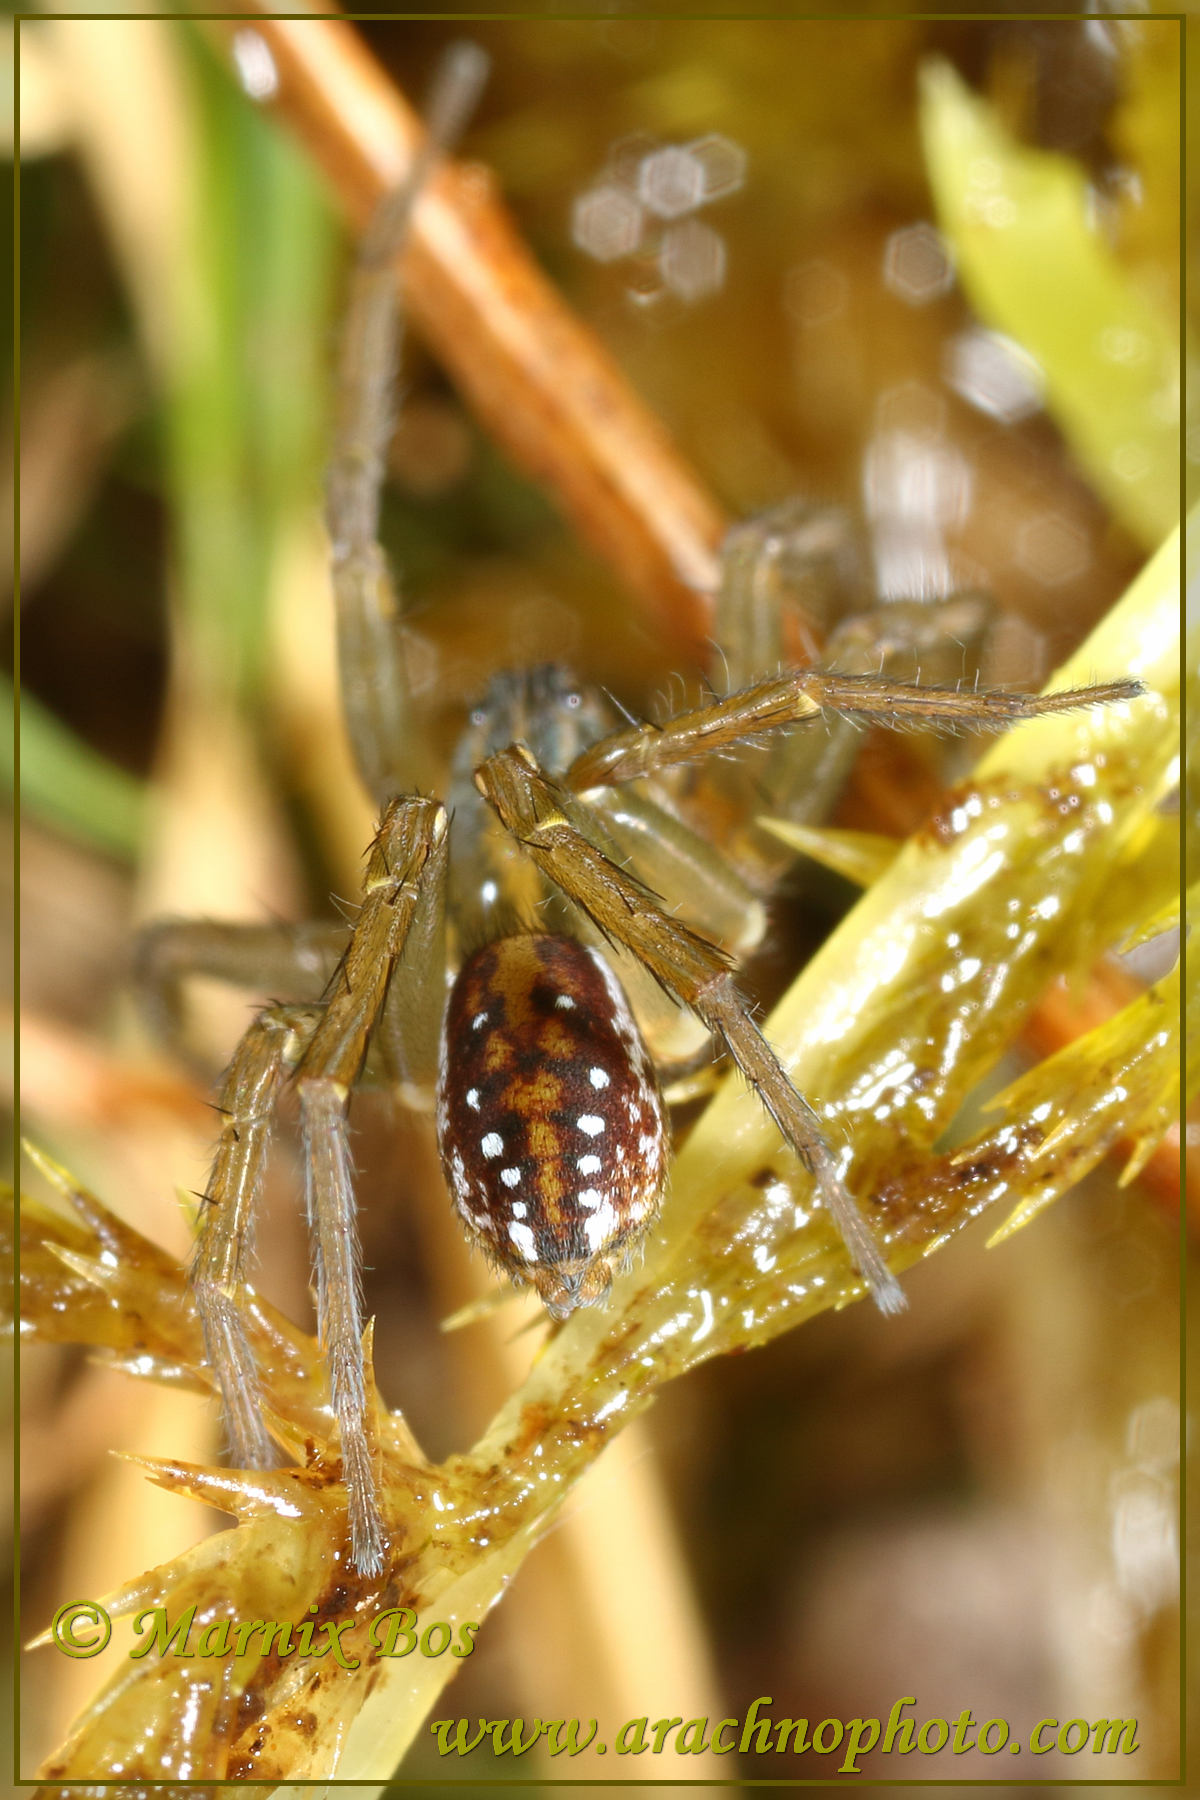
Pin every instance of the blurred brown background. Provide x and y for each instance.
(975, 1504)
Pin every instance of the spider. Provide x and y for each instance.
(601, 885)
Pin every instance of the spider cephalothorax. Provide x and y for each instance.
(646, 900)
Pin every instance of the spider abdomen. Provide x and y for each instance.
(550, 1121)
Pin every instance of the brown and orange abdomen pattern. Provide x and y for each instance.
(550, 1121)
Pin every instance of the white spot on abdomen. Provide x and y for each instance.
(600, 1226)
(522, 1237)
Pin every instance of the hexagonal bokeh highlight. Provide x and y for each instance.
(606, 222)
(671, 181)
(692, 259)
(639, 210)
(916, 264)
(722, 164)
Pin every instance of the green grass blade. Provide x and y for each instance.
(1035, 268)
(67, 785)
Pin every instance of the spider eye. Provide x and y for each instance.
(550, 1122)
(574, 700)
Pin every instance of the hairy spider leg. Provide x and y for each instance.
(377, 704)
(296, 963)
(384, 722)
(380, 985)
(564, 838)
(261, 1063)
(787, 574)
(379, 989)
(404, 888)
(399, 928)
(292, 962)
(790, 699)
(323, 1048)
(556, 830)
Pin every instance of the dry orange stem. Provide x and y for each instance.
(537, 379)
(1061, 1017)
